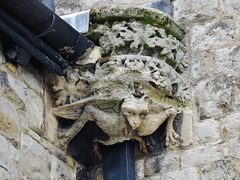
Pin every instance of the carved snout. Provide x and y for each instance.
(134, 122)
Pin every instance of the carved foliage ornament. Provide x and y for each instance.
(134, 80)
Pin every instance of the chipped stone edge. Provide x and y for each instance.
(147, 15)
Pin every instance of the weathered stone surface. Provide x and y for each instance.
(4, 174)
(146, 15)
(204, 154)
(217, 95)
(9, 120)
(212, 35)
(162, 164)
(126, 2)
(189, 173)
(202, 65)
(32, 78)
(50, 125)
(63, 7)
(186, 128)
(95, 4)
(155, 177)
(35, 160)
(35, 112)
(206, 131)
(139, 169)
(189, 11)
(230, 125)
(227, 59)
(4, 152)
(60, 171)
(234, 146)
(238, 27)
(134, 82)
(12, 88)
(224, 169)
(67, 7)
(9, 159)
(139, 81)
(229, 8)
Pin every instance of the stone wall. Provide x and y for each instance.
(212, 36)
(27, 149)
(67, 7)
(28, 131)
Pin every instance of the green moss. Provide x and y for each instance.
(145, 15)
(161, 95)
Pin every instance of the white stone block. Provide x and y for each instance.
(139, 169)
(202, 65)
(230, 125)
(224, 169)
(217, 95)
(35, 112)
(189, 173)
(162, 164)
(189, 11)
(229, 7)
(234, 147)
(9, 159)
(35, 160)
(204, 154)
(212, 35)
(67, 7)
(186, 128)
(227, 60)
(206, 131)
(32, 78)
(60, 171)
(9, 120)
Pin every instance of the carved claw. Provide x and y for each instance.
(142, 144)
(172, 138)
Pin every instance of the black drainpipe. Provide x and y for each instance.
(48, 27)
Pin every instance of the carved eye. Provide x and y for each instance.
(143, 115)
(129, 113)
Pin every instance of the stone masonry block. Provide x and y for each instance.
(230, 125)
(35, 160)
(189, 173)
(63, 7)
(60, 171)
(234, 147)
(35, 112)
(202, 65)
(238, 27)
(206, 131)
(9, 120)
(227, 59)
(212, 35)
(139, 169)
(224, 169)
(162, 164)
(229, 7)
(204, 154)
(32, 78)
(188, 11)
(9, 160)
(217, 95)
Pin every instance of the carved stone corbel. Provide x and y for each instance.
(134, 85)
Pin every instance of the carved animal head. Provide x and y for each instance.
(135, 110)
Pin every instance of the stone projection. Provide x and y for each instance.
(133, 86)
